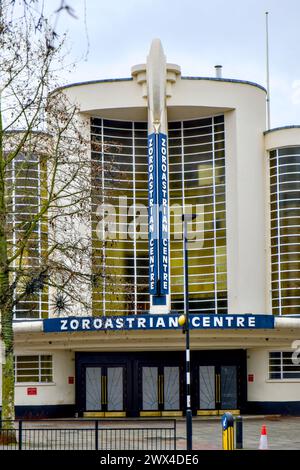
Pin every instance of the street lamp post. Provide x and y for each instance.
(189, 430)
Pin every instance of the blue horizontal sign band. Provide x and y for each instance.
(158, 322)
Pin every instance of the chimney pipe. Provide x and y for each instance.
(218, 69)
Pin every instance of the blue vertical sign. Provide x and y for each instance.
(158, 215)
(163, 201)
(152, 214)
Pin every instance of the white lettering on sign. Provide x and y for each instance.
(196, 322)
(164, 216)
(141, 323)
(64, 325)
(218, 321)
(108, 324)
(119, 323)
(74, 324)
(86, 324)
(130, 322)
(160, 323)
(97, 323)
(173, 322)
(152, 215)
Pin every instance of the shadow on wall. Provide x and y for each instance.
(44, 412)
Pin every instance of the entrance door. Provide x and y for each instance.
(207, 389)
(228, 388)
(218, 389)
(104, 391)
(159, 390)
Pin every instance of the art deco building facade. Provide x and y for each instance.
(243, 184)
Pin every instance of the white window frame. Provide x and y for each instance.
(39, 370)
(281, 379)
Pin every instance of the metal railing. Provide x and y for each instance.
(82, 434)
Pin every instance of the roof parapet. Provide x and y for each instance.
(139, 72)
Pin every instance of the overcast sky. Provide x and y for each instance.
(196, 34)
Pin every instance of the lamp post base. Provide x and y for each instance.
(189, 444)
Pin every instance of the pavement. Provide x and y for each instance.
(283, 433)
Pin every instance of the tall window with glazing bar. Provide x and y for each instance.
(25, 190)
(120, 245)
(197, 181)
(285, 229)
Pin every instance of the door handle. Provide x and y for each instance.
(218, 388)
(160, 390)
(103, 390)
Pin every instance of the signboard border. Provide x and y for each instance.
(158, 322)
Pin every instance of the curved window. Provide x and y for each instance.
(197, 180)
(285, 229)
(26, 178)
(120, 250)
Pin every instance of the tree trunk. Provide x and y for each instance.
(7, 434)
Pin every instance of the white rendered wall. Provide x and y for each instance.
(246, 209)
(285, 137)
(263, 389)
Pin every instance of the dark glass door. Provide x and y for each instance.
(105, 391)
(153, 383)
(207, 390)
(159, 390)
(228, 388)
(217, 389)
